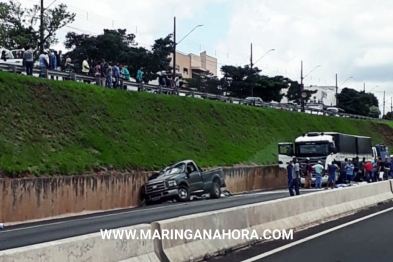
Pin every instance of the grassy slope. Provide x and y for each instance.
(63, 127)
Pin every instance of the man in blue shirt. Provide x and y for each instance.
(349, 171)
(332, 169)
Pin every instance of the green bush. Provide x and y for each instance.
(50, 127)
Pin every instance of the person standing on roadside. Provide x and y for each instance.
(29, 59)
(308, 174)
(103, 73)
(139, 75)
(349, 171)
(295, 178)
(369, 172)
(289, 172)
(318, 168)
(97, 73)
(332, 169)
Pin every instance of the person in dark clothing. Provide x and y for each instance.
(380, 169)
(289, 172)
(3, 56)
(295, 178)
(343, 172)
(386, 169)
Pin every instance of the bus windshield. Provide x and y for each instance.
(312, 149)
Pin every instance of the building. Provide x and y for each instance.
(191, 65)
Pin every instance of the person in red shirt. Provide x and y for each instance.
(368, 170)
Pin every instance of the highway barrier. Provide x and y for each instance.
(294, 213)
(87, 248)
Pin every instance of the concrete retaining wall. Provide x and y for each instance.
(290, 213)
(86, 248)
(45, 197)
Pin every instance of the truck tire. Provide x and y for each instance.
(184, 194)
(215, 191)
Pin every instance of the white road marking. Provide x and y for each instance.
(266, 254)
(75, 218)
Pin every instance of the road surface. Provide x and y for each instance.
(363, 237)
(39, 232)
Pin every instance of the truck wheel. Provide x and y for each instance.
(184, 194)
(215, 191)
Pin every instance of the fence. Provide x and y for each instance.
(187, 92)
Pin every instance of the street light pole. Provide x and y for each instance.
(175, 44)
(174, 48)
(301, 86)
(42, 27)
(336, 91)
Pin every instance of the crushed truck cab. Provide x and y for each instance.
(182, 180)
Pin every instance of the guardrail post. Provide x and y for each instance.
(122, 84)
(231, 100)
(192, 93)
(13, 68)
(160, 89)
(73, 76)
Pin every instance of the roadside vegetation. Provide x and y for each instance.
(68, 128)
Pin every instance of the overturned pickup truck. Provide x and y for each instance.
(181, 180)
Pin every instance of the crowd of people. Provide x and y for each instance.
(348, 171)
(106, 73)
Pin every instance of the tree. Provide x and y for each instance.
(158, 59)
(205, 82)
(269, 88)
(20, 26)
(245, 81)
(388, 116)
(97, 47)
(374, 112)
(359, 103)
(242, 80)
(295, 90)
(123, 49)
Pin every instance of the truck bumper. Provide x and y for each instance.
(163, 195)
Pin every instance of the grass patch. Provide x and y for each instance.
(50, 127)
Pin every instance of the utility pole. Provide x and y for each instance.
(336, 91)
(383, 110)
(391, 104)
(301, 86)
(174, 48)
(252, 85)
(364, 87)
(42, 28)
(251, 57)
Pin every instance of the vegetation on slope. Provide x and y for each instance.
(50, 127)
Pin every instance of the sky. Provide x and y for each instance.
(350, 38)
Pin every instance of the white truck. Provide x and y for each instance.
(326, 147)
(13, 57)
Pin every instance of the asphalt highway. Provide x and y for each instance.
(360, 238)
(50, 230)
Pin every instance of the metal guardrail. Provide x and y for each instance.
(55, 75)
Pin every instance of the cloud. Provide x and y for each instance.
(351, 38)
